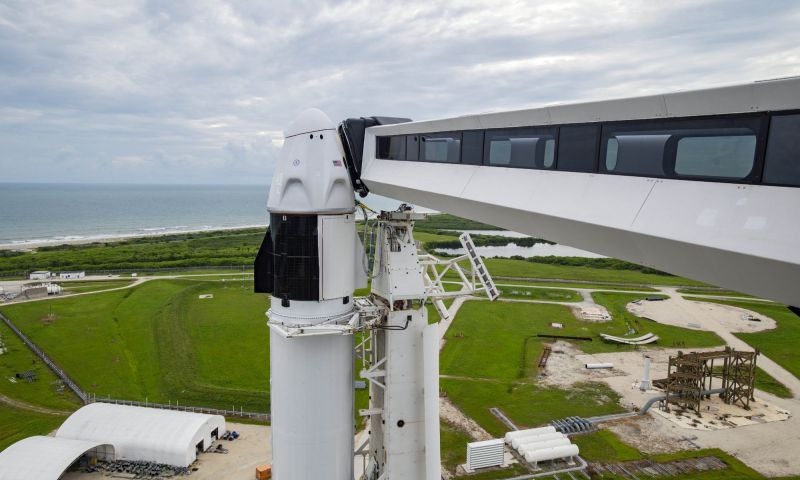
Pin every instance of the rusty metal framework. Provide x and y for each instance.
(691, 374)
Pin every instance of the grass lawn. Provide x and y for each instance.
(591, 286)
(604, 446)
(713, 291)
(527, 404)
(17, 424)
(522, 269)
(160, 342)
(670, 336)
(546, 294)
(453, 445)
(42, 392)
(491, 354)
(498, 339)
(766, 383)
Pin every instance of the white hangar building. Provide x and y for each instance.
(150, 434)
(47, 458)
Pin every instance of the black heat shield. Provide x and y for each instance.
(351, 133)
(287, 264)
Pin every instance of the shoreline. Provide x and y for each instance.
(32, 245)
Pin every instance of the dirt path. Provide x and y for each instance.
(451, 414)
(32, 408)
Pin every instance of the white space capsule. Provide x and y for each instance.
(310, 263)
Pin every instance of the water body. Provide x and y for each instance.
(32, 214)
(538, 250)
(512, 249)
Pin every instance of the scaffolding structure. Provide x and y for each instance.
(691, 375)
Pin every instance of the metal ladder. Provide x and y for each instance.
(478, 266)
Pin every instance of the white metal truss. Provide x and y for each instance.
(399, 351)
(436, 269)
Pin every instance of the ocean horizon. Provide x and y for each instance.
(51, 213)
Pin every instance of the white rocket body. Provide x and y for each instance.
(310, 263)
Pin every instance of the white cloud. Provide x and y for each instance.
(201, 91)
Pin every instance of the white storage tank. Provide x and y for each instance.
(531, 431)
(552, 453)
(529, 447)
(599, 366)
(535, 438)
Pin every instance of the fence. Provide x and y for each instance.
(87, 398)
(47, 361)
(263, 417)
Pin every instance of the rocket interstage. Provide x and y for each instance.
(310, 262)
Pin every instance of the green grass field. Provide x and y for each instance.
(522, 269)
(491, 354)
(712, 291)
(159, 342)
(623, 320)
(16, 424)
(42, 392)
(604, 446)
(232, 247)
(545, 294)
(766, 383)
(590, 286)
(527, 404)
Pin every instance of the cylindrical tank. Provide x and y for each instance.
(310, 264)
(552, 453)
(535, 438)
(526, 433)
(311, 387)
(597, 366)
(529, 447)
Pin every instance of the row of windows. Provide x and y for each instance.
(743, 148)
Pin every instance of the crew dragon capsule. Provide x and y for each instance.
(310, 263)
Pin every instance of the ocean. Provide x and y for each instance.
(33, 214)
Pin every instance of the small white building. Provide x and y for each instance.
(150, 434)
(71, 275)
(40, 275)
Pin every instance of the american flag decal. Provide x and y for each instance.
(337, 163)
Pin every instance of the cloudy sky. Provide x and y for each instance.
(198, 91)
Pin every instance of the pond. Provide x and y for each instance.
(512, 249)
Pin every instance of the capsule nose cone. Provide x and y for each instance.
(310, 120)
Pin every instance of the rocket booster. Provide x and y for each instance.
(310, 263)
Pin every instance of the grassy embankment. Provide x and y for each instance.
(604, 447)
(234, 247)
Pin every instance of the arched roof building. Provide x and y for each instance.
(47, 458)
(150, 434)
